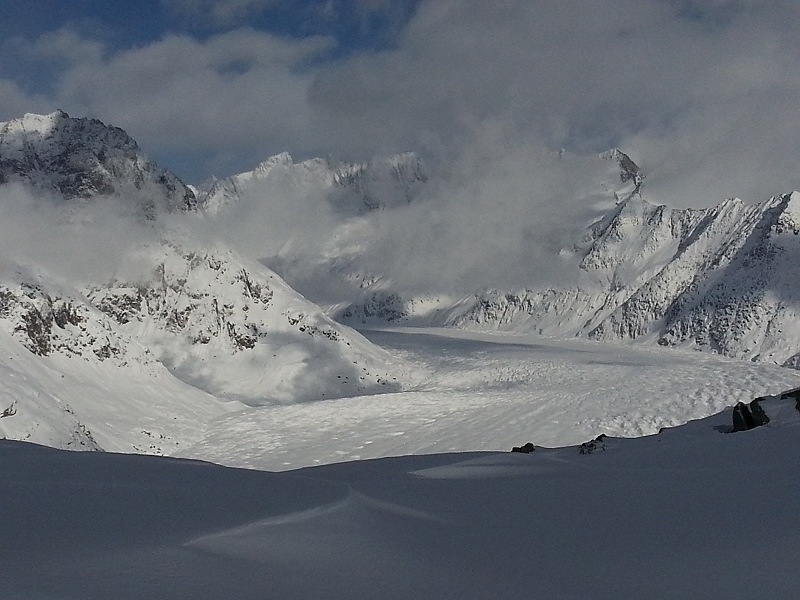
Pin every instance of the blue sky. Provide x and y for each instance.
(702, 93)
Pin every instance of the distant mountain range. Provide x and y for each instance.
(722, 279)
(201, 324)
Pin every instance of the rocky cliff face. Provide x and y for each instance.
(84, 158)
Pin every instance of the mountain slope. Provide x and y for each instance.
(233, 328)
(349, 187)
(73, 380)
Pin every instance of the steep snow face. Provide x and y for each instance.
(233, 328)
(84, 158)
(747, 303)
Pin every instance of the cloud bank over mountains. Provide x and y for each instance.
(701, 94)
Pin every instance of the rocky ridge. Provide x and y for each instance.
(383, 182)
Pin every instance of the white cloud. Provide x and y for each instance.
(15, 101)
(658, 78)
(72, 242)
(64, 45)
(700, 93)
(240, 93)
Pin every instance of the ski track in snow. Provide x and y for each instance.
(470, 391)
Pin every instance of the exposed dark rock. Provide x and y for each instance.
(10, 411)
(597, 444)
(525, 449)
(748, 416)
(45, 324)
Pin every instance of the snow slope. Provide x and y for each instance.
(690, 513)
(79, 383)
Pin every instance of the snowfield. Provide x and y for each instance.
(471, 391)
(690, 513)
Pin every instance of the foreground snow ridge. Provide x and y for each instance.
(683, 514)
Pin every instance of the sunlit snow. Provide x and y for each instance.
(472, 391)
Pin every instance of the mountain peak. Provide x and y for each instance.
(628, 170)
(84, 158)
(31, 122)
(280, 159)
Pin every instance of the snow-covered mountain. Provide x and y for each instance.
(190, 311)
(84, 158)
(722, 279)
(383, 182)
(142, 351)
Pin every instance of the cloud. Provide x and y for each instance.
(17, 101)
(702, 95)
(64, 45)
(72, 242)
(661, 79)
(235, 96)
(493, 219)
(698, 92)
